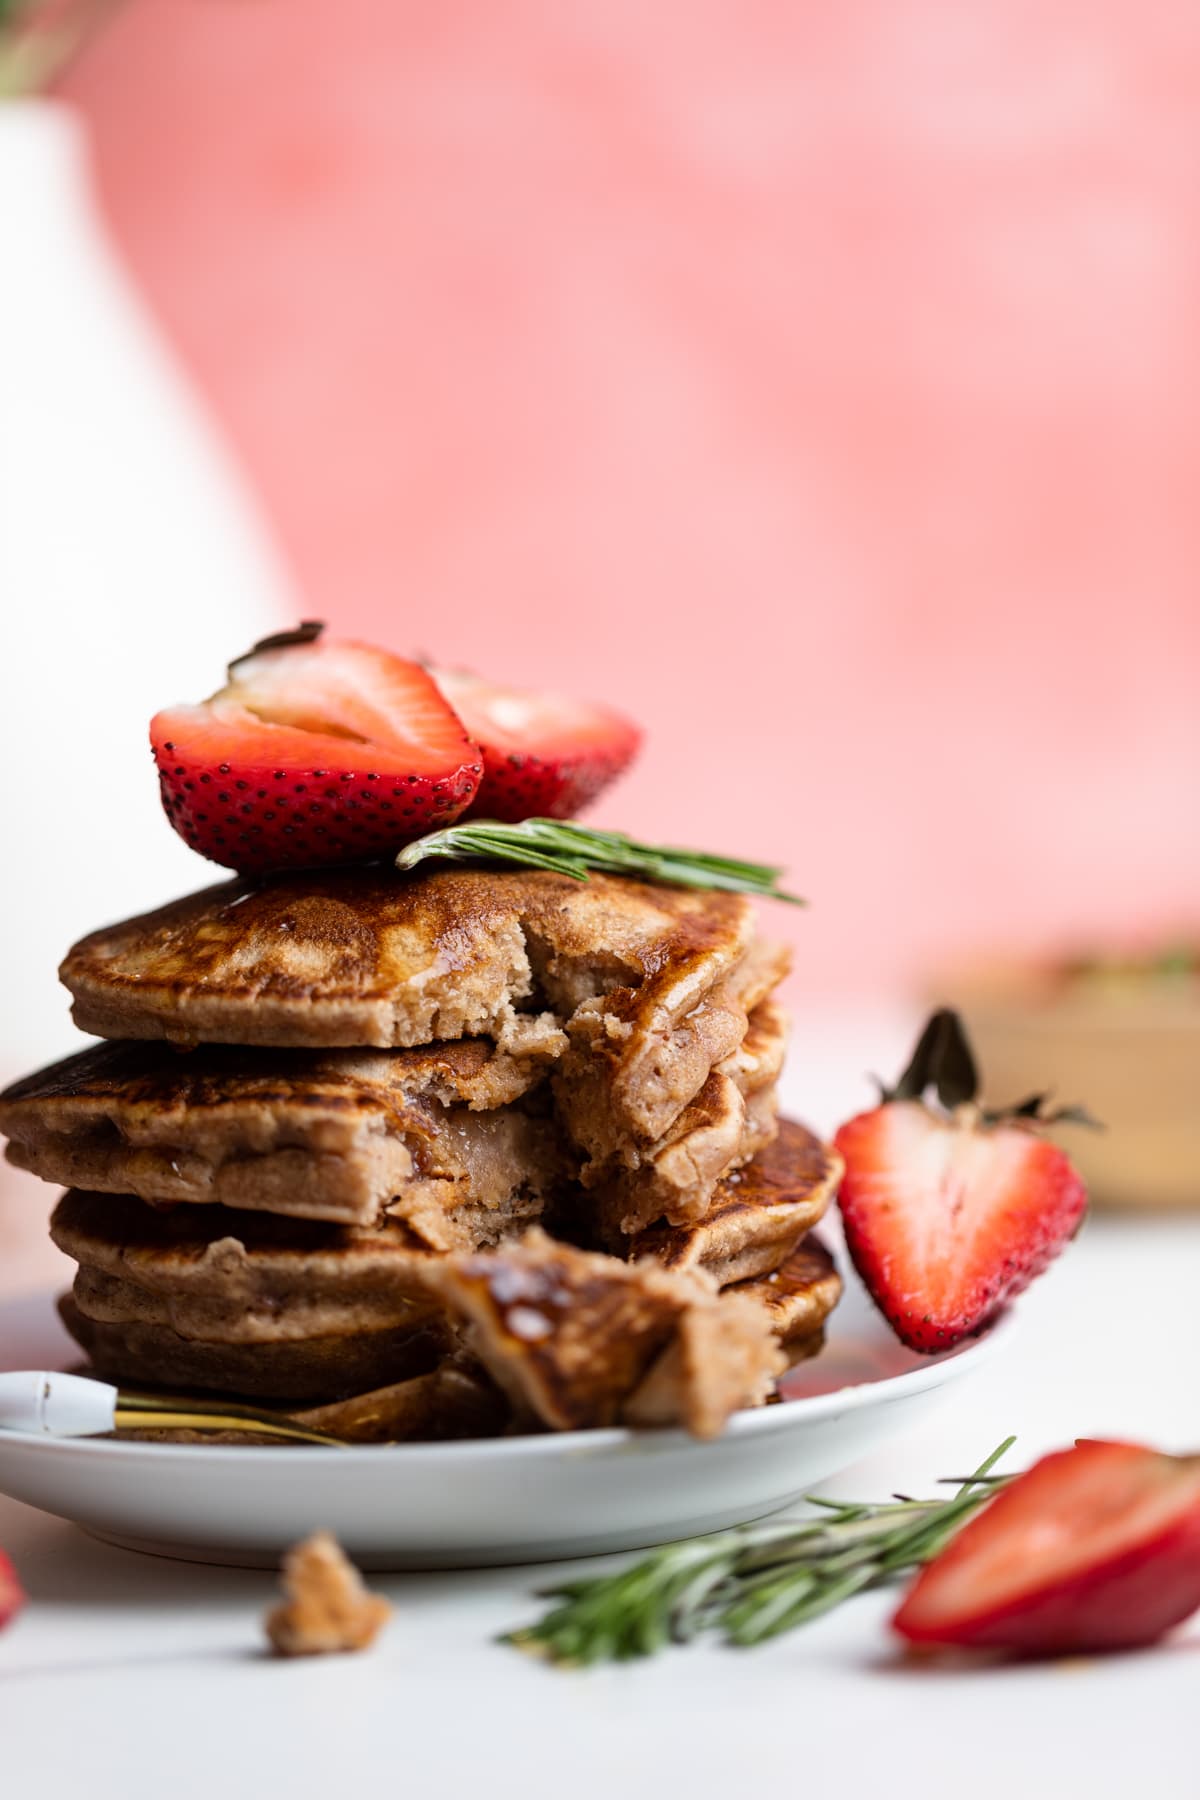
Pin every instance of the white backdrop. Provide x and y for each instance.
(132, 566)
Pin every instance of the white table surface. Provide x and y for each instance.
(133, 1677)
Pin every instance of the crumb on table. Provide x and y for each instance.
(326, 1608)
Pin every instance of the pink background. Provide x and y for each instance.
(819, 383)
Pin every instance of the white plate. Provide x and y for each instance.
(462, 1505)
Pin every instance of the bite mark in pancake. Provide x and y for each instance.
(456, 1139)
(631, 989)
(720, 1359)
(571, 1336)
(633, 1066)
(371, 958)
(730, 1120)
(335, 1135)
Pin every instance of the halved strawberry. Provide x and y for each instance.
(950, 1213)
(1094, 1548)
(316, 751)
(12, 1594)
(544, 756)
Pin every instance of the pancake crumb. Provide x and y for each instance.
(327, 1608)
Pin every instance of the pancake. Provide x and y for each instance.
(799, 1297)
(758, 1214)
(237, 1277)
(634, 990)
(633, 1066)
(731, 1119)
(346, 1136)
(571, 1336)
(337, 1135)
(720, 1360)
(310, 1369)
(455, 1400)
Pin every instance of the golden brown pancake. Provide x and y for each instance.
(371, 957)
(311, 1369)
(800, 1295)
(238, 1277)
(337, 1135)
(634, 990)
(758, 1214)
(572, 1336)
(348, 1135)
(455, 1400)
(720, 1360)
(730, 1120)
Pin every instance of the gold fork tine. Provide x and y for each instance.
(142, 1412)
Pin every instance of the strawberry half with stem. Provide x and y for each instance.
(951, 1210)
(1094, 1548)
(12, 1594)
(316, 751)
(544, 756)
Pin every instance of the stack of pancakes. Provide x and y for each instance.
(457, 1151)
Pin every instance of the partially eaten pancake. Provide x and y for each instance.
(730, 1120)
(635, 991)
(758, 1214)
(634, 1065)
(342, 1135)
(719, 1360)
(349, 1136)
(572, 1336)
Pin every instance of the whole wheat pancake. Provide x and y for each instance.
(758, 1214)
(719, 1360)
(337, 1135)
(730, 1120)
(633, 1066)
(571, 1336)
(636, 989)
(348, 1135)
(799, 1297)
(455, 1400)
(312, 1369)
(238, 1277)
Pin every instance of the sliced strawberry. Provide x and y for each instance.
(544, 756)
(12, 1595)
(314, 752)
(948, 1214)
(1094, 1548)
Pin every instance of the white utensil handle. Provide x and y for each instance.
(40, 1400)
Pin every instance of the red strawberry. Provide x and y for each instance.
(313, 753)
(544, 756)
(1095, 1548)
(948, 1214)
(12, 1595)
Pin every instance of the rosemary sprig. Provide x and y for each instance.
(571, 849)
(750, 1584)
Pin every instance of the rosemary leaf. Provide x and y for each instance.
(570, 849)
(752, 1584)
